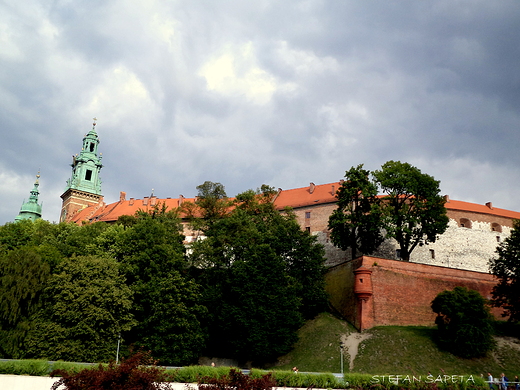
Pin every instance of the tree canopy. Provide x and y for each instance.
(413, 209)
(506, 268)
(410, 210)
(86, 305)
(72, 292)
(357, 221)
(167, 304)
(464, 322)
(261, 275)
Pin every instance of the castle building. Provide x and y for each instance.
(31, 209)
(84, 186)
(368, 291)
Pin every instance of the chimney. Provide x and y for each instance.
(131, 202)
(490, 205)
(341, 182)
(145, 201)
(181, 199)
(311, 187)
(122, 196)
(447, 198)
(333, 190)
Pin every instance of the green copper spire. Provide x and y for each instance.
(86, 165)
(31, 209)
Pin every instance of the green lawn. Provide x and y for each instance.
(392, 350)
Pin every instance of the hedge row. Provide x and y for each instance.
(194, 374)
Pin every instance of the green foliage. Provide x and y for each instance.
(464, 322)
(15, 235)
(170, 313)
(506, 268)
(414, 212)
(166, 302)
(356, 223)
(238, 381)
(305, 380)
(87, 305)
(25, 367)
(192, 374)
(261, 274)
(23, 275)
(210, 205)
(138, 372)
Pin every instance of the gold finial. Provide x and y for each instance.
(95, 121)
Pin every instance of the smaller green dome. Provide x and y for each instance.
(31, 209)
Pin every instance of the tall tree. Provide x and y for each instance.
(413, 209)
(23, 276)
(210, 204)
(261, 276)
(357, 221)
(87, 305)
(166, 302)
(464, 322)
(506, 268)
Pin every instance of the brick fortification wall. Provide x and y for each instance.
(401, 291)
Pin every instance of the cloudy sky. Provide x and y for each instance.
(250, 92)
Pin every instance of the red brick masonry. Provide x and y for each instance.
(401, 292)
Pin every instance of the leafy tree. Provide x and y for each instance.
(261, 275)
(357, 221)
(15, 235)
(166, 302)
(414, 211)
(87, 305)
(506, 268)
(23, 275)
(211, 204)
(464, 322)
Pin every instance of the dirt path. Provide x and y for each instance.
(351, 343)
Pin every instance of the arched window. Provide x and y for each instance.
(496, 227)
(465, 223)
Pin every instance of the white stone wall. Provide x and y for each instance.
(463, 248)
(459, 247)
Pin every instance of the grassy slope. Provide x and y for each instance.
(391, 350)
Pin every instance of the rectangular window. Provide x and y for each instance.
(88, 175)
(308, 229)
(498, 238)
(432, 253)
(398, 254)
(307, 214)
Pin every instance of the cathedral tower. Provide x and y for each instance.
(84, 186)
(31, 209)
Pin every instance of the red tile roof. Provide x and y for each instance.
(295, 198)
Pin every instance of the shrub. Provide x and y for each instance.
(464, 322)
(192, 374)
(236, 380)
(138, 372)
(25, 367)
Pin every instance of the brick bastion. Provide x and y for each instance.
(371, 291)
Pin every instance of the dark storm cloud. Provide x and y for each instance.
(281, 93)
